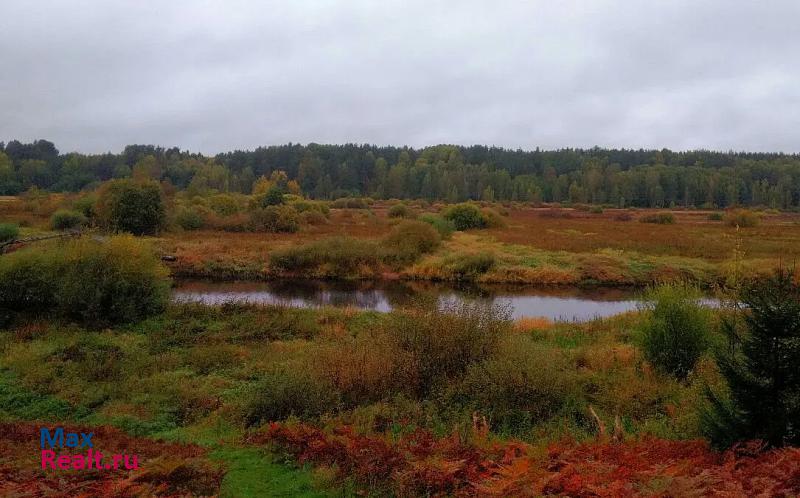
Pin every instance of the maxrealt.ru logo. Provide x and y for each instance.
(69, 442)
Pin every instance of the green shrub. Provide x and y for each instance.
(64, 219)
(283, 394)
(523, 384)
(409, 240)
(677, 330)
(275, 219)
(303, 206)
(716, 217)
(85, 205)
(8, 232)
(131, 206)
(94, 282)
(596, 210)
(190, 218)
(741, 218)
(350, 203)
(761, 369)
(116, 281)
(470, 266)
(273, 197)
(401, 211)
(223, 204)
(208, 358)
(28, 280)
(443, 226)
(465, 216)
(658, 218)
(335, 257)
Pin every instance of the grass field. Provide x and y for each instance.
(247, 400)
(534, 247)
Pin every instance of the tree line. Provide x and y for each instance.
(618, 177)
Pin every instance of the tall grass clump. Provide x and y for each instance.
(8, 232)
(331, 257)
(284, 393)
(525, 383)
(436, 345)
(677, 330)
(742, 218)
(98, 283)
(468, 267)
(401, 211)
(492, 219)
(659, 218)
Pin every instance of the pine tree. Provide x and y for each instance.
(762, 369)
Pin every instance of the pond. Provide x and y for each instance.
(563, 303)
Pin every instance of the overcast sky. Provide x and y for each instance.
(93, 76)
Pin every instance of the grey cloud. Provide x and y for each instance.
(215, 75)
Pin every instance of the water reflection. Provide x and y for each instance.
(553, 303)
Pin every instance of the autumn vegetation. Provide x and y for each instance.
(432, 398)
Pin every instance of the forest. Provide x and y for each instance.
(613, 177)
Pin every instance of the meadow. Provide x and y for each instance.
(524, 243)
(426, 400)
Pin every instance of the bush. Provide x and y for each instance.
(131, 206)
(741, 218)
(332, 257)
(8, 232)
(401, 211)
(98, 283)
(273, 197)
(409, 240)
(523, 384)
(676, 332)
(275, 219)
(85, 205)
(658, 218)
(436, 346)
(761, 369)
(303, 206)
(492, 219)
(190, 218)
(64, 219)
(470, 266)
(313, 217)
(284, 394)
(28, 281)
(443, 226)
(465, 216)
(715, 217)
(350, 203)
(223, 204)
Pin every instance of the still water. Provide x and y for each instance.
(568, 304)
